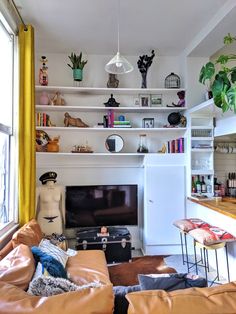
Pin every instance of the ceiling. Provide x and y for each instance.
(168, 26)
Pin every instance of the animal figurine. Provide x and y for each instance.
(58, 100)
(76, 122)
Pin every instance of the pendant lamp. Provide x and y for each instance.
(118, 64)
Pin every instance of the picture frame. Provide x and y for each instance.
(144, 100)
(148, 123)
(156, 100)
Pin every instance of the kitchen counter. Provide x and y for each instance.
(226, 206)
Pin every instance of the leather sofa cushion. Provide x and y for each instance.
(217, 300)
(88, 266)
(6, 250)
(30, 234)
(94, 300)
(18, 267)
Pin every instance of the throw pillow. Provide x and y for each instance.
(121, 303)
(189, 224)
(17, 267)
(212, 235)
(30, 234)
(60, 255)
(170, 282)
(53, 266)
(48, 286)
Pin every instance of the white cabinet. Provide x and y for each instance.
(164, 202)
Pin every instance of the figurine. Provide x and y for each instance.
(112, 82)
(77, 122)
(111, 102)
(144, 63)
(181, 102)
(58, 100)
(44, 99)
(43, 75)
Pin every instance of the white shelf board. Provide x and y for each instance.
(202, 150)
(201, 127)
(104, 90)
(202, 172)
(89, 154)
(205, 108)
(202, 138)
(76, 129)
(101, 109)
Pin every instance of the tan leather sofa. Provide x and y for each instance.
(17, 268)
(212, 300)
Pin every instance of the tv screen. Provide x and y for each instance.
(101, 205)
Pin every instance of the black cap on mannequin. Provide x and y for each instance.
(48, 176)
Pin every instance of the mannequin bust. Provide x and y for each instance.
(50, 204)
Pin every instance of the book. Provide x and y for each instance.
(122, 126)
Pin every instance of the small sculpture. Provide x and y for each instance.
(144, 63)
(82, 149)
(163, 149)
(77, 122)
(181, 102)
(111, 102)
(43, 74)
(58, 100)
(44, 99)
(112, 82)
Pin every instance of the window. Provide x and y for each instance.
(8, 151)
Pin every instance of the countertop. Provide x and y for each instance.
(226, 206)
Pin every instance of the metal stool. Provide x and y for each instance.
(205, 249)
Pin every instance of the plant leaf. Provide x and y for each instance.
(233, 75)
(232, 98)
(206, 72)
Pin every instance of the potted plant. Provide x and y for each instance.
(222, 81)
(77, 66)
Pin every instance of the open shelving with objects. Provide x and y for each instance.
(88, 104)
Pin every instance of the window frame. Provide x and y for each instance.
(12, 132)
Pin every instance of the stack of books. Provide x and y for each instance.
(121, 124)
(42, 119)
(175, 146)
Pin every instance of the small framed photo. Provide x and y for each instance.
(156, 100)
(148, 122)
(136, 102)
(144, 100)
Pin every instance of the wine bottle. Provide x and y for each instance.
(209, 189)
(203, 185)
(198, 185)
(194, 189)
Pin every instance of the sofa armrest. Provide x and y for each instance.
(14, 300)
(217, 300)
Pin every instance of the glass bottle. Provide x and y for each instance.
(142, 148)
(203, 185)
(198, 185)
(194, 188)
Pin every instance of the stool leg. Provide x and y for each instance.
(227, 261)
(205, 265)
(182, 247)
(186, 248)
(195, 256)
(201, 256)
(217, 268)
(208, 267)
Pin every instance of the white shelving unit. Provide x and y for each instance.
(201, 146)
(87, 103)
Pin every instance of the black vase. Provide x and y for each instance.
(144, 79)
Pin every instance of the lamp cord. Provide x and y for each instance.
(118, 25)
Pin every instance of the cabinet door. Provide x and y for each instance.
(164, 203)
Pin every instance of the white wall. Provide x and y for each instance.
(224, 163)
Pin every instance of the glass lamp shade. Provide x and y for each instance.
(118, 65)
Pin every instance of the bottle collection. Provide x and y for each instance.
(201, 184)
(231, 184)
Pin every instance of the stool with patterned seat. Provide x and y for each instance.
(211, 238)
(184, 226)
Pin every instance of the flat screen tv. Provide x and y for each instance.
(101, 205)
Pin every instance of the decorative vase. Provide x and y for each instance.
(78, 74)
(144, 79)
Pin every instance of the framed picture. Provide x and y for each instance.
(148, 122)
(144, 100)
(156, 100)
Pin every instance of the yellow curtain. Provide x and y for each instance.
(26, 125)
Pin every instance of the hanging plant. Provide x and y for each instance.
(222, 83)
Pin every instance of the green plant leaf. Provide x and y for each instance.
(232, 98)
(206, 72)
(233, 75)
